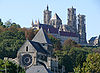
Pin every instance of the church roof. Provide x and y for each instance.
(38, 47)
(55, 16)
(38, 69)
(93, 38)
(41, 37)
(55, 31)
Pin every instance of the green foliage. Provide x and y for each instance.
(72, 55)
(68, 44)
(11, 67)
(15, 25)
(10, 42)
(56, 42)
(92, 64)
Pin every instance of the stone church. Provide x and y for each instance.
(35, 55)
(75, 29)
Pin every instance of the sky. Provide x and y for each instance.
(24, 11)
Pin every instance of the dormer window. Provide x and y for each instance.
(27, 48)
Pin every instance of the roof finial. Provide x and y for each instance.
(47, 7)
(72, 7)
(38, 22)
(35, 22)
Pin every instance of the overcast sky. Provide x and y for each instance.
(23, 11)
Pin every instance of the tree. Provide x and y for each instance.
(8, 23)
(10, 42)
(56, 42)
(68, 44)
(92, 64)
(11, 67)
(15, 25)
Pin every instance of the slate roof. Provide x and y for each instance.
(38, 47)
(51, 28)
(55, 31)
(41, 37)
(62, 33)
(93, 38)
(55, 17)
(38, 69)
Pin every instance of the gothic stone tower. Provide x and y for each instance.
(82, 29)
(56, 21)
(72, 19)
(47, 15)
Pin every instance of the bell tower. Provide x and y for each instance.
(72, 19)
(47, 16)
(82, 29)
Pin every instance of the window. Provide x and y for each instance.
(27, 48)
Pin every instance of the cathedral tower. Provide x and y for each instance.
(47, 15)
(82, 29)
(72, 19)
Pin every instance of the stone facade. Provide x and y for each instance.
(72, 19)
(47, 15)
(28, 54)
(36, 53)
(82, 29)
(55, 21)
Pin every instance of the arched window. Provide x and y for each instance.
(27, 48)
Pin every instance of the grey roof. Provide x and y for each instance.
(38, 69)
(93, 38)
(38, 47)
(41, 37)
(55, 17)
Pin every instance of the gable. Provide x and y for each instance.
(27, 47)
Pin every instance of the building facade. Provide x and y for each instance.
(64, 31)
(47, 15)
(82, 29)
(37, 53)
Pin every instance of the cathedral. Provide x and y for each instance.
(74, 29)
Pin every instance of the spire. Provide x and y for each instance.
(47, 7)
(32, 23)
(72, 7)
(38, 22)
(35, 22)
